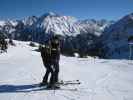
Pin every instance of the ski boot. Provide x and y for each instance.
(43, 84)
(53, 86)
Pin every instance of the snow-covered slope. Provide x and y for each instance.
(116, 37)
(21, 67)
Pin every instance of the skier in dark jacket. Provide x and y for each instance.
(51, 56)
(46, 58)
(55, 57)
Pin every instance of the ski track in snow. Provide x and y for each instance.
(21, 68)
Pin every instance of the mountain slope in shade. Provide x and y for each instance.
(116, 37)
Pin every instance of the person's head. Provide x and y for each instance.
(55, 37)
(55, 40)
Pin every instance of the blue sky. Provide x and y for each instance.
(82, 9)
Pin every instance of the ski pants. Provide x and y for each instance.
(55, 66)
(52, 68)
(48, 71)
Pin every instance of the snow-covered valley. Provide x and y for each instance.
(21, 67)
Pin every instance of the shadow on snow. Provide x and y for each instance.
(20, 88)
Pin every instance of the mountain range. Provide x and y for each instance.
(88, 36)
(50, 23)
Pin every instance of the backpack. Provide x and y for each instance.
(55, 49)
(45, 53)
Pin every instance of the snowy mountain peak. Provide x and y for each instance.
(14, 22)
(130, 16)
(50, 14)
(30, 20)
(2, 23)
(127, 18)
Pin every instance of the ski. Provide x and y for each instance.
(69, 81)
(60, 88)
(61, 85)
(73, 82)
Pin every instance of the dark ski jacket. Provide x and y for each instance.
(45, 54)
(50, 52)
(55, 50)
